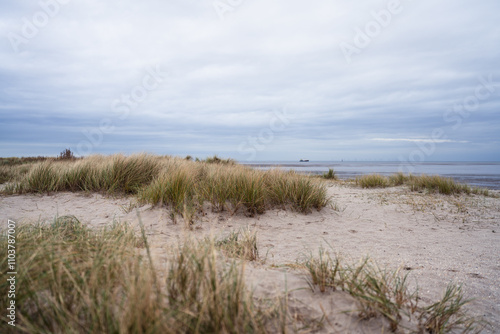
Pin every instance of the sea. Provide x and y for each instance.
(475, 174)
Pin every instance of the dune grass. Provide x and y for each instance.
(446, 315)
(208, 296)
(324, 271)
(216, 160)
(437, 184)
(241, 244)
(181, 184)
(399, 179)
(13, 173)
(14, 161)
(111, 174)
(172, 188)
(430, 183)
(330, 175)
(6, 174)
(286, 189)
(77, 280)
(382, 292)
(372, 181)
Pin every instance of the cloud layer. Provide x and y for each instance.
(327, 80)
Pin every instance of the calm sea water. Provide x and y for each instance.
(477, 174)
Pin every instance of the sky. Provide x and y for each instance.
(252, 80)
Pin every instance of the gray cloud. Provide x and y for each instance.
(225, 79)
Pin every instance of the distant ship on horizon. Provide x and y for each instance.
(304, 160)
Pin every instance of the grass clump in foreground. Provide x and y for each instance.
(77, 280)
(207, 296)
(181, 184)
(381, 292)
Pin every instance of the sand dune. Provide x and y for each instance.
(436, 238)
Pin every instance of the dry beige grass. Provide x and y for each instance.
(178, 183)
(430, 183)
(77, 280)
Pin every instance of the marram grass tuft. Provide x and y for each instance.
(180, 184)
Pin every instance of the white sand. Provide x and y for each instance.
(439, 239)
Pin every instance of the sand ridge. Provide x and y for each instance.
(437, 238)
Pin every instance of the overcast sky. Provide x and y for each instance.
(252, 80)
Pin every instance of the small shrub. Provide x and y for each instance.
(66, 155)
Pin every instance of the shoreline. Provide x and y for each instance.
(475, 174)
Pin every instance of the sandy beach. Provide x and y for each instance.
(231, 166)
(438, 239)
